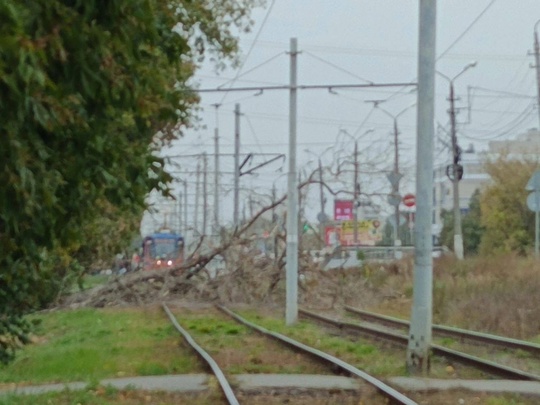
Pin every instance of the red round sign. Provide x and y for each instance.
(409, 200)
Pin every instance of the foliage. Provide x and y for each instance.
(508, 223)
(404, 232)
(387, 235)
(470, 225)
(89, 90)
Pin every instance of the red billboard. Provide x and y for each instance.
(343, 210)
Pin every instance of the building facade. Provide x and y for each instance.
(474, 173)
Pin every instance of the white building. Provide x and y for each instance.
(527, 144)
(474, 174)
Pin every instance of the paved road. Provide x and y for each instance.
(247, 382)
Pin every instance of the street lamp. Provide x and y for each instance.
(395, 177)
(457, 169)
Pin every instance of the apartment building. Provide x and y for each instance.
(474, 174)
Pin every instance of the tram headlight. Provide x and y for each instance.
(158, 262)
(169, 263)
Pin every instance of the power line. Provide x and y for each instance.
(391, 53)
(306, 87)
(500, 92)
(455, 41)
(253, 132)
(233, 80)
(467, 29)
(253, 44)
(337, 67)
(509, 127)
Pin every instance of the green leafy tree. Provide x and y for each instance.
(387, 235)
(89, 90)
(508, 223)
(471, 226)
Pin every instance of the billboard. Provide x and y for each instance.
(332, 235)
(343, 210)
(369, 233)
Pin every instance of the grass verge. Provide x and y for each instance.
(90, 344)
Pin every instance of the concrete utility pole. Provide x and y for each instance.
(180, 227)
(356, 183)
(457, 169)
(205, 193)
(291, 307)
(216, 172)
(421, 317)
(197, 186)
(537, 66)
(322, 218)
(395, 176)
(236, 163)
(356, 193)
(395, 191)
(458, 233)
(185, 208)
(321, 188)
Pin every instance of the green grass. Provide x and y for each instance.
(90, 344)
(93, 280)
(98, 395)
(506, 400)
(357, 352)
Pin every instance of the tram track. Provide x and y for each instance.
(489, 367)
(451, 332)
(391, 395)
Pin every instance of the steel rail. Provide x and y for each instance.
(484, 365)
(453, 332)
(394, 396)
(223, 382)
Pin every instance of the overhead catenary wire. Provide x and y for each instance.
(459, 37)
(267, 15)
(501, 93)
(257, 143)
(393, 53)
(466, 31)
(510, 127)
(266, 62)
(253, 132)
(337, 67)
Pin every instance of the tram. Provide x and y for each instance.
(163, 249)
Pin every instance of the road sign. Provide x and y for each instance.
(343, 210)
(534, 182)
(394, 199)
(394, 178)
(533, 201)
(409, 200)
(322, 217)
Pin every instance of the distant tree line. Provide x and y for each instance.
(498, 219)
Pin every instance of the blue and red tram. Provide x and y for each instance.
(162, 250)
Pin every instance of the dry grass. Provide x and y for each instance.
(495, 294)
(498, 295)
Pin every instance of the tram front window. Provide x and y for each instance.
(165, 248)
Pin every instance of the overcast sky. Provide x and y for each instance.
(352, 42)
